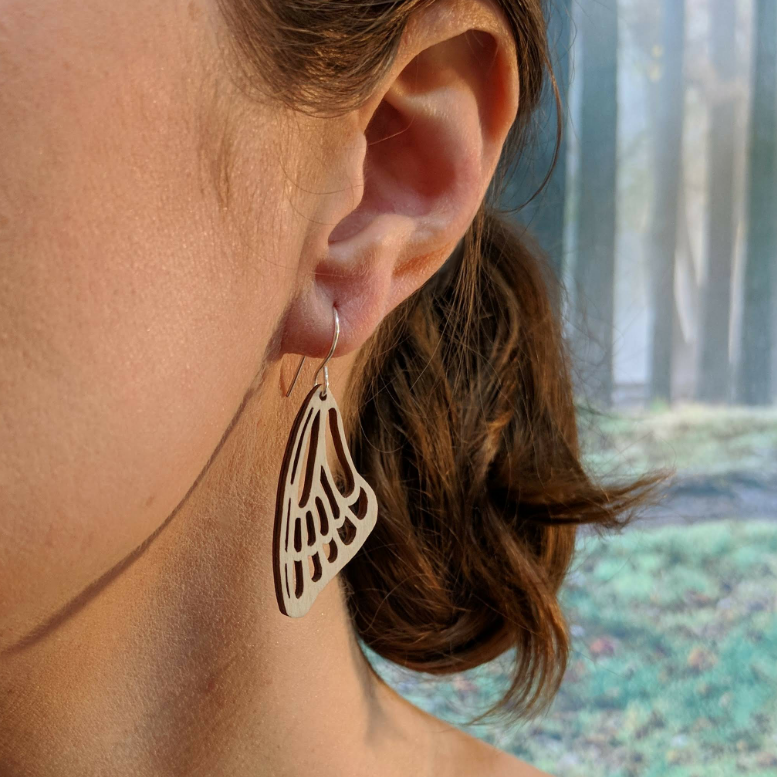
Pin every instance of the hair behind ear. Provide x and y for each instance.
(462, 413)
(463, 421)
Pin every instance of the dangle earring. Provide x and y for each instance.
(318, 529)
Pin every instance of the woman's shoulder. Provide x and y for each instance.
(453, 752)
(479, 759)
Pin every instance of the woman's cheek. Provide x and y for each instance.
(130, 328)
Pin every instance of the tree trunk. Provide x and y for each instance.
(713, 380)
(668, 158)
(754, 378)
(596, 224)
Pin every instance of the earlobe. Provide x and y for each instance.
(434, 132)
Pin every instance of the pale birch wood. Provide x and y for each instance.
(317, 529)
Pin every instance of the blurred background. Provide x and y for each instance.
(661, 219)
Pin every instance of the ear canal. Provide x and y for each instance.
(318, 529)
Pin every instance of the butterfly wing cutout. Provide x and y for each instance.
(318, 529)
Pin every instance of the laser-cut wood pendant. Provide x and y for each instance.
(318, 529)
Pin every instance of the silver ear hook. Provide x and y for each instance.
(323, 364)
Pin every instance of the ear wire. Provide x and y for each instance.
(323, 366)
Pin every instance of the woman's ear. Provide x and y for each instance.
(427, 143)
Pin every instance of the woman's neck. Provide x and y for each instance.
(182, 664)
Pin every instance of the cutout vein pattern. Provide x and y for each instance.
(318, 528)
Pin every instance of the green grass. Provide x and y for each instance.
(693, 439)
(674, 660)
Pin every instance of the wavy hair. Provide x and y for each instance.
(461, 411)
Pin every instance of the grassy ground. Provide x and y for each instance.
(693, 439)
(674, 663)
(674, 654)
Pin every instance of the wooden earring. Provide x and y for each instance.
(318, 529)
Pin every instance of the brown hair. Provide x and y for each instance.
(461, 409)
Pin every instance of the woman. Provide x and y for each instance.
(190, 191)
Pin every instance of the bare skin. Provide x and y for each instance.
(167, 249)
